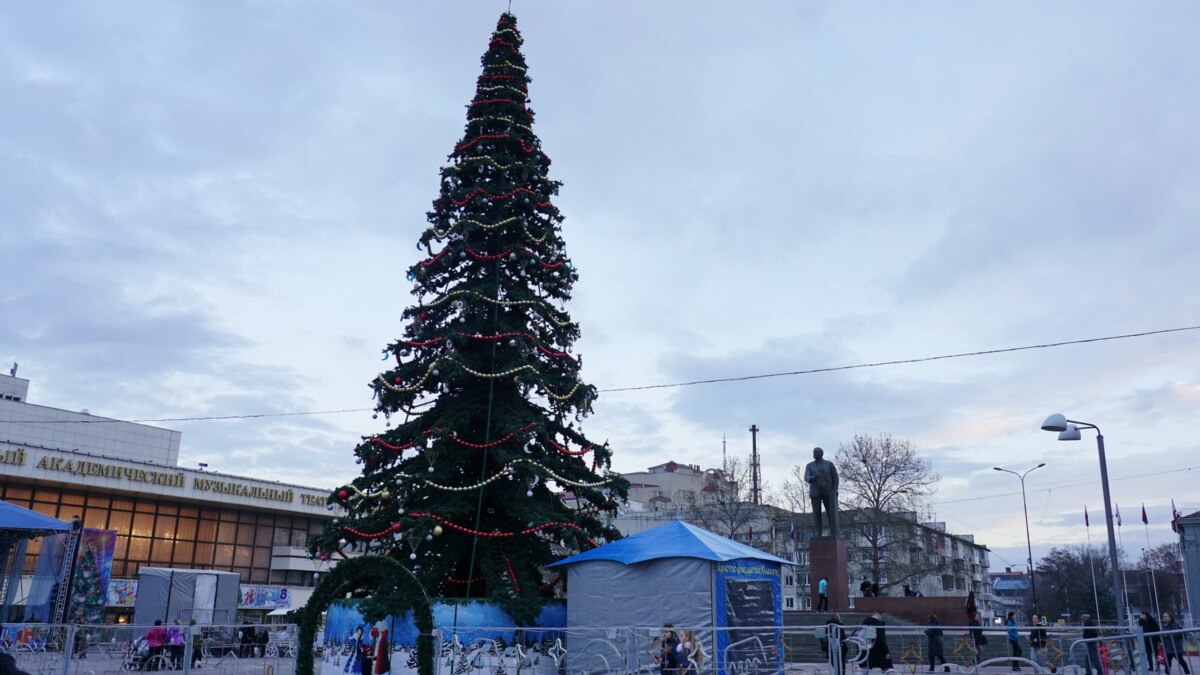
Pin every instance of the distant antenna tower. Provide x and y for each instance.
(755, 474)
(724, 458)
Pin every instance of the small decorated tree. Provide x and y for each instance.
(486, 475)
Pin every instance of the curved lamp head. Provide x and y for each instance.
(1039, 466)
(1056, 422)
(1071, 433)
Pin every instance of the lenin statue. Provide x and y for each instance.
(822, 478)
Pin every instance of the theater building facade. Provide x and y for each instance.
(125, 477)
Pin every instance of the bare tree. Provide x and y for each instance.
(884, 484)
(794, 494)
(724, 505)
(1164, 564)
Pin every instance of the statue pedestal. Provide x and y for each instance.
(827, 558)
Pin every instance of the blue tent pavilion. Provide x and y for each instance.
(727, 593)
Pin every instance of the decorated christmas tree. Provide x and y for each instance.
(486, 475)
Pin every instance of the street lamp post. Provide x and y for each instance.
(1068, 430)
(1028, 542)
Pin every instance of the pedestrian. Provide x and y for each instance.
(262, 640)
(1037, 640)
(175, 645)
(1173, 645)
(977, 637)
(669, 651)
(822, 597)
(246, 640)
(156, 639)
(1092, 651)
(834, 641)
(8, 665)
(970, 605)
(197, 642)
(878, 656)
(936, 649)
(864, 589)
(1152, 642)
(1014, 640)
(874, 589)
(692, 649)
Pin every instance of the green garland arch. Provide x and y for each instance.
(394, 590)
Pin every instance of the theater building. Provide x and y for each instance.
(125, 476)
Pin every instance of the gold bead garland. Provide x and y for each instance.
(503, 86)
(506, 471)
(506, 64)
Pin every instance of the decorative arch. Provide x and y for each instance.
(394, 590)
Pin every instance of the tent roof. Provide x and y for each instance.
(22, 521)
(675, 539)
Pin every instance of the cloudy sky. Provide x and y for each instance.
(208, 209)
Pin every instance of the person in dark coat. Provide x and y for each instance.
(1152, 642)
(977, 637)
(1092, 650)
(1038, 640)
(668, 655)
(8, 665)
(936, 649)
(1173, 645)
(970, 606)
(878, 656)
(835, 637)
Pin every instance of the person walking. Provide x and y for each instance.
(1152, 643)
(977, 637)
(970, 605)
(197, 642)
(668, 655)
(822, 597)
(936, 649)
(835, 638)
(864, 589)
(1014, 640)
(156, 639)
(1173, 645)
(1092, 651)
(1037, 640)
(878, 656)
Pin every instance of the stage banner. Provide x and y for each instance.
(93, 567)
(748, 594)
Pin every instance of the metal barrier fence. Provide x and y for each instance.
(45, 649)
(41, 649)
(794, 649)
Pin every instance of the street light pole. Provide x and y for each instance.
(1028, 541)
(1068, 430)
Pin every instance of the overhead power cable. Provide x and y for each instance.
(743, 378)
(898, 362)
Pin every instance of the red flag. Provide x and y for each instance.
(1085, 518)
(1118, 515)
(1144, 520)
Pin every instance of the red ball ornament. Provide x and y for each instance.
(342, 494)
(397, 380)
(423, 315)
